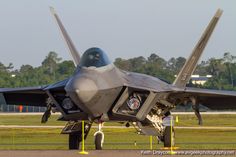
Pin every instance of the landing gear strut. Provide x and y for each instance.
(195, 106)
(99, 137)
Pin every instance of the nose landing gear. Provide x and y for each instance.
(99, 137)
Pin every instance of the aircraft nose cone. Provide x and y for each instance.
(82, 90)
(85, 89)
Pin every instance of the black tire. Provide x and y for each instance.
(168, 137)
(74, 141)
(98, 141)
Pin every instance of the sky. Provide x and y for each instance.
(122, 28)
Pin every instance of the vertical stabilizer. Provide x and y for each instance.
(191, 63)
(74, 53)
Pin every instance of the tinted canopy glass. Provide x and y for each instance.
(94, 57)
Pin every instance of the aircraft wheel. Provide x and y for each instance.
(98, 141)
(169, 137)
(74, 140)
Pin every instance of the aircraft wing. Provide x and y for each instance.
(29, 96)
(213, 99)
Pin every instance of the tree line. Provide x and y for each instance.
(53, 69)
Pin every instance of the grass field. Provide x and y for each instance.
(44, 138)
(184, 120)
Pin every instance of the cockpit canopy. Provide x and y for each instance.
(94, 57)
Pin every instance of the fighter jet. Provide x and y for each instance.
(100, 92)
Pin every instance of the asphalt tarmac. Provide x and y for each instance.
(114, 153)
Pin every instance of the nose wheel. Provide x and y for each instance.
(99, 137)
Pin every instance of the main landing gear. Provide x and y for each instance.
(169, 137)
(74, 140)
(74, 129)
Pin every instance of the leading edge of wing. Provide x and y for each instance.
(210, 91)
(27, 96)
(38, 89)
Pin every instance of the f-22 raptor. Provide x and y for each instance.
(100, 92)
